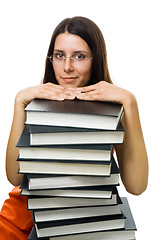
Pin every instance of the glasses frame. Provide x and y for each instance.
(64, 58)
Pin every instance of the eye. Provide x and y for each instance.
(59, 56)
(80, 56)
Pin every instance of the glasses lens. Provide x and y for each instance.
(59, 58)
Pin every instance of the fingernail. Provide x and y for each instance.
(60, 99)
(71, 96)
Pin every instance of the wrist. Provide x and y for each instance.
(20, 101)
(19, 109)
(129, 101)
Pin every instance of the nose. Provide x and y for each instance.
(68, 65)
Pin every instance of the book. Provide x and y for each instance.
(76, 113)
(68, 202)
(45, 166)
(49, 135)
(81, 192)
(72, 213)
(50, 181)
(127, 233)
(100, 235)
(90, 224)
(66, 153)
(92, 152)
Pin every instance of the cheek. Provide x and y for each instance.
(84, 76)
(85, 71)
(87, 74)
(56, 70)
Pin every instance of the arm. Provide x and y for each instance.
(23, 98)
(132, 155)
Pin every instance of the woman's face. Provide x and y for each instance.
(76, 71)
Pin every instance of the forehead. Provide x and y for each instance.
(70, 42)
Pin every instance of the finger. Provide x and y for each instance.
(93, 95)
(71, 91)
(53, 87)
(70, 97)
(89, 93)
(87, 88)
(49, 93)
(87, 97)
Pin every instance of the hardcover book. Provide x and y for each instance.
(90, 224)
(68, 202)
(53, 181)
(91, 152)
(49, 135)
(77, 113)
(45, 166)
(81, 192)
(72, 213)
(127, 233)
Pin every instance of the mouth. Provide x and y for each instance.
(69, 79)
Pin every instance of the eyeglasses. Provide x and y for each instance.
(59, 58)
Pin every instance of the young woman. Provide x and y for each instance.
(76, 67)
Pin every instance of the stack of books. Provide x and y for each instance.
(66, 153)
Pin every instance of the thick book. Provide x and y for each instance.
(73, 213)
(77, 113)
(49, 135)
(127, 233)
(68, 202)
(81, 192)
(40, 181)
(45, 166)
(92, 152)
(99, 235)
(72, 226)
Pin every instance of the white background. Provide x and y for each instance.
(131, 31)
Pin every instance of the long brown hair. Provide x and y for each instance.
(91, 34)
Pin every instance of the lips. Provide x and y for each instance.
(69, 79)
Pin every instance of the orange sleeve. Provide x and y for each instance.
(114, 149)
(15, 219)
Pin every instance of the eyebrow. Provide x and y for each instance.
(75, 52)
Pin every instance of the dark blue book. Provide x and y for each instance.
(126, 233)
(77, 113)
(90, 152)
(48, 202)
(49, 135)
(54, 181)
